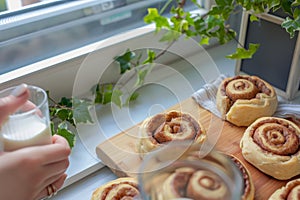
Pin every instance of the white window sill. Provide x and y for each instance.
(150, 102)
(63, 76)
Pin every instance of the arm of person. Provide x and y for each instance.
(29, 172)
(26, 173)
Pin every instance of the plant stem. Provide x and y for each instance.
(52, 100)
(165, 50)
(57, 105)
(182, 3)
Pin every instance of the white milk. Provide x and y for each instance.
(25, 132)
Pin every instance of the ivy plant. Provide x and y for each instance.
(68, 112)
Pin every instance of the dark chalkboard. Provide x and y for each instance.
(276, 60)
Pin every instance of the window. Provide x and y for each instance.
(47, 28)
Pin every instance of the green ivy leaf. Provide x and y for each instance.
(63, 131)
(131, 98)
(170, 36)
(223, 9)
(98, 94)
(66, 102)
(107, 97)
(204, 40)
(256, 6)
(124, 60)
(104, 94)
(154, 17)
(184, 26)
(253, 18)
(141, 74)
(215, 10)
(116, 97)
(224, 2)
(81, 112)
(291, 26)
(296, 13)
(151, 55)
(214, 23)
(287, 6)
(273, 4)
(196, 2)
(199, 25)
(62, 113)
(242, 53)
(296, 3)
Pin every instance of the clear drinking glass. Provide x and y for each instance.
(186, 171)
(30, 124)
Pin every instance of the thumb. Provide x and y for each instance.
(10, 104)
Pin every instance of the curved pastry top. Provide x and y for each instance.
(243, 99)
(121, 188)
(290, 191)
(171, 126)
(273, 145)
(187, 182)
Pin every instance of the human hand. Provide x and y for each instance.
(26, 173)
(11, 103)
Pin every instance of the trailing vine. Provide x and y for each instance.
(214, 24)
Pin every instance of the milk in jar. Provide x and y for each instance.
(25, 132)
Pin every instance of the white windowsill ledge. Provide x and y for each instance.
(60, 76)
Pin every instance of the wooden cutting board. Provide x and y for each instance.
(120, 155)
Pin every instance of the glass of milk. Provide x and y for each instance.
(30, 124)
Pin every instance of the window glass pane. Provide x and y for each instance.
(48, 28)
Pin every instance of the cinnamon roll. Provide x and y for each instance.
(121, 188)
(195, 184)
(294, 119)
(249, 189)
(291, 191)
(272, 145)
(160, 129)
(243, 99)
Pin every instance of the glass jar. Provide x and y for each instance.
(182, 170)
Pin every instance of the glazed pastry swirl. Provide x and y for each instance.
(290, 191)
(194, 184)
(206, 185)
(244, 87)
(180, 128)
(167, 127)
(243, 99)
(122, 188)
(241, 89)
(276, 136)
(273, 146)
(249, 189)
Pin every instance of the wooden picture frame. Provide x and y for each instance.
(277, 59)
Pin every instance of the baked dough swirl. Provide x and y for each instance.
(243, 99)
(119, 189)
(273, 146)
(248, 190)
(171, 126)
(291, 191)
(195, 184)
